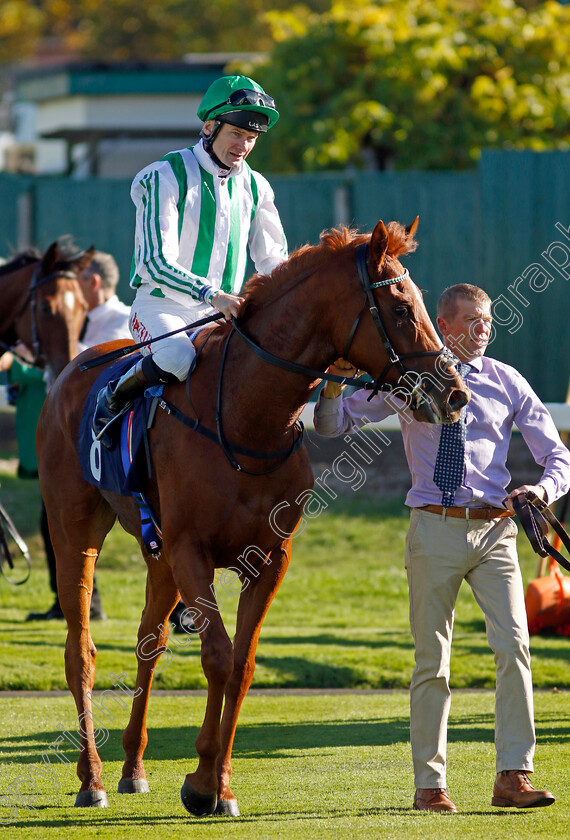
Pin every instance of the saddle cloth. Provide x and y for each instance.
(117, 469)
(113, 469)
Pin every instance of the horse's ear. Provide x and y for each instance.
(411, 229)
(50, 258)
(85, 258)
(378, 243)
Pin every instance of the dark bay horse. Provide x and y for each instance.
(215, 498)
(42, 306)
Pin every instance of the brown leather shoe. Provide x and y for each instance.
(513, 789)
(433, 799)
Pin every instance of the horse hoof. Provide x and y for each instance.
(198, 804)
(91, 799)
(227, 808)
(133, 786)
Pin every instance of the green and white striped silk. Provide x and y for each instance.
(193, 228)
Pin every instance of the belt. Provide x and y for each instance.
(467, 512)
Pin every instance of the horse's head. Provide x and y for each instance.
(57, 307)
(392, 336)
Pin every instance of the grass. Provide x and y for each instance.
(340, 619)
(304, 766)
(310, 765)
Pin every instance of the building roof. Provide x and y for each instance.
(101, 78)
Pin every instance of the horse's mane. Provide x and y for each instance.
(332, 244)
(19, 261)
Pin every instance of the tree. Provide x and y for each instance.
(416, 84)
(138, 29)
(20, 27)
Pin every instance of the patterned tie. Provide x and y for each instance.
(450, 461)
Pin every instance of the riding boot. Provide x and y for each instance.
(118, 396)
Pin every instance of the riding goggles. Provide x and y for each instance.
(250, 97)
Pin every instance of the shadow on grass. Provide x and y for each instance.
(340, 641)
(279, 740)
(272, 816)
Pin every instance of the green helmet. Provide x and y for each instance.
(240, 101)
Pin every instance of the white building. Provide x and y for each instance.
(108, 119)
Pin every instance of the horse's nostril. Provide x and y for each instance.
(457, 400)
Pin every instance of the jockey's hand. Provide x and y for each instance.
(537, 489)
(228, 305)
(340, 368)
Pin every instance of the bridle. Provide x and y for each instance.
(418, 395)
(394, 358)
(31, 300)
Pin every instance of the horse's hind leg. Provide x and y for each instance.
(259, 585)
(77, 544)
(161, 598)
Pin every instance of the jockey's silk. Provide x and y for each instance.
(193, 228)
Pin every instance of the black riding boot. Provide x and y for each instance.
(119, 394)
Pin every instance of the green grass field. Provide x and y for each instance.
(304, 767)
(340, 619)
(310, 765)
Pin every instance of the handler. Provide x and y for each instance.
(462, 529)
(197, 212)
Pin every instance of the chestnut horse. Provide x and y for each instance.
(219, 503)
(43, 306)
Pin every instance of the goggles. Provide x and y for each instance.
(250, 97)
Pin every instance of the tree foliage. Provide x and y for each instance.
(139, 29)
(409, 83)
(417, 84)
(20, 27)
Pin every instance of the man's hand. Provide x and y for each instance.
(6, 361)
(537, 489)
(228, 305)
(340, 368)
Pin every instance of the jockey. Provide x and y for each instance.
(197, 212)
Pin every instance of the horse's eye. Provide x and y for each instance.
(46, 309)
(401, 312)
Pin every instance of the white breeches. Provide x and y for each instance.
(153, 316)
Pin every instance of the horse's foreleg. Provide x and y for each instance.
(199, 791)
(161, 598)
(75, 569)
(255, 599)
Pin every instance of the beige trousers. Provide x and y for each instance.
(439, 555)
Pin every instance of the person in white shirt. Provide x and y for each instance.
(198, 211)
(107, 317)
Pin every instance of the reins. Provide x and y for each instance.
(379, 384)
(219, 437)
(293, 367)
(394, 358)
(535, 517)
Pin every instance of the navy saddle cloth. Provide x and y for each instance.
(113, 469)
(116, 469)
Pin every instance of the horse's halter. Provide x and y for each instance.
(31, 299)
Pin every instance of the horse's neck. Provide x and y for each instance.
(265, 399)
(13, 293)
